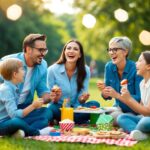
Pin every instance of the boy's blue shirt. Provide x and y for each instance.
(112, 79)
(57, 76)
(38, 79)
(9, 95)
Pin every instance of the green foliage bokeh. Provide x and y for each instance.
(60, 29)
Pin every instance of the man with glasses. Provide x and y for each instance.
(34, 50)
(119, 68)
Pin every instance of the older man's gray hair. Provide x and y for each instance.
(124, 42)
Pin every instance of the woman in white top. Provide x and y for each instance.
(138, 125)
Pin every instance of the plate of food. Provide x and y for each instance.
(78, 132)
(109, 134)
(111, 109)
(91, 109)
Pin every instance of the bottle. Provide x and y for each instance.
(66, 110)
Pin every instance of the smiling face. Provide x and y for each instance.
(34, 54)
(141, 66)
(116, 53)
(72, 52)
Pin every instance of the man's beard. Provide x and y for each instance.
(38, 62)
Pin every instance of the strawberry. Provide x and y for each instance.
(93, 107)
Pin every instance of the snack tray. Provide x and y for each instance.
(95, 111)
(110, 134)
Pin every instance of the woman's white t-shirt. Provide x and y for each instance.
(145, 92)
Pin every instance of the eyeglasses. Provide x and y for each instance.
(41, 50)
(114, 50)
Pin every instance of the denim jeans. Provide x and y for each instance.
(130, 122)
(10, 126)
(38, 118)
(79, 118)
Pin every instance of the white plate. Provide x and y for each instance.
(97, 111)
(100, 111)
(112, 109)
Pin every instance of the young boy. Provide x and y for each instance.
(13, 120)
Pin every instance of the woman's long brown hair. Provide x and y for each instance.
(81, 71)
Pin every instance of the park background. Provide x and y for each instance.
(92, 22)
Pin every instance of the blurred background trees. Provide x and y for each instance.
(34, 19)
(134, 22)
(107, 25)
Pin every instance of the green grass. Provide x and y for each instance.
(8, 143)
(24, 144)
(96, 95)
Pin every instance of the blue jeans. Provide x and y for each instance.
(130, 122)
(38, 118)
(10, 126)
(79, 118)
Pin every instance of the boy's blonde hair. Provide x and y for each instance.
(9, 66)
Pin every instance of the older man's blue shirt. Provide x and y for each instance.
(38, 79)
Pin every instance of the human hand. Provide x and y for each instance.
(111, 92)
(125, 94)
(84, 97)
(55, 94)
(37, 103)
(100, 85)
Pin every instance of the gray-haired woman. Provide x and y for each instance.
(116, 70)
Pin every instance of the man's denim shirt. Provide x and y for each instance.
(38, 79)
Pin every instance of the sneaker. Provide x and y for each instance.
(19, 134)
(46, 131)
(138, 135)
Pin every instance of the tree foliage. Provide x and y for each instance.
(34, 20)
(96, 40)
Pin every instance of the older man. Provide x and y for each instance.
(34, 50)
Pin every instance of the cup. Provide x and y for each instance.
(66, 126)
(67, 113)
(93, 118)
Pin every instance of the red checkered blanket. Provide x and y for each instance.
(127, 141)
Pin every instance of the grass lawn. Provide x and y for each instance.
(96, 95)
(22, 144)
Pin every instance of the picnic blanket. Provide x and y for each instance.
(127, 141)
